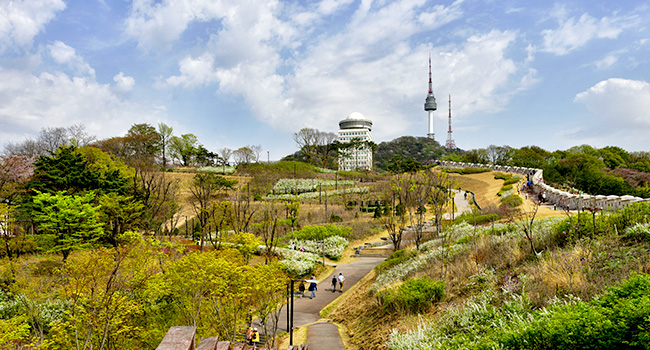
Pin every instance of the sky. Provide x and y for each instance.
(253, 72)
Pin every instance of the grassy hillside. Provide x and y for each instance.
(498, 293)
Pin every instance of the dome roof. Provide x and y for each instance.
(356, 115)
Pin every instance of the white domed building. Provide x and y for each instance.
(355, 128)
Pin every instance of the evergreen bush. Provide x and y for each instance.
(415, 295)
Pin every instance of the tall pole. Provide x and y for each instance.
(291, 329)
(288, 296)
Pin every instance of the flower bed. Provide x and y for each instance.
(296, 262)
(333, 246)
(298, 186)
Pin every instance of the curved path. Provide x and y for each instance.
(461, 203)
(321, 334)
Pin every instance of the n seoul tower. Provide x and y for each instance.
(430, 103)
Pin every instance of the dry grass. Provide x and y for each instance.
(486, 187)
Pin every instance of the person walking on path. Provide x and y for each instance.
(341, 280)
(334, 282)
(312, 287)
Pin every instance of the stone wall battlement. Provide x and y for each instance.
(562, 199)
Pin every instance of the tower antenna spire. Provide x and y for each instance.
(430, 103)
(450, 144)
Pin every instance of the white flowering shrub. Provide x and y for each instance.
(296, 186)
(218, 169)
(333, 246)
(466, 326)
(313, 195)
(296, 262)
(401, 271)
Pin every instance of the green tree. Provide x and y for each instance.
(120, 214)
(184, 148)
(110, 292)
(143, 142)
(75, 171)
(530, 157)
(73, 221)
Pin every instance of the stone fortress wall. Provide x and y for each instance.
(562, 199)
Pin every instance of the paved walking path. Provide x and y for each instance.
(461, 204)
(321, 334)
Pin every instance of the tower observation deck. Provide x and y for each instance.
(430, 104)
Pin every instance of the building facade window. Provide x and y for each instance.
(355, 126)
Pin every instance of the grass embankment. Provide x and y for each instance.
(486, 187)
(495, 263)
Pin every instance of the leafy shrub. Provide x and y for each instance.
(576, 227)
(504, 189)
(502, 176)
(616, 320)
(335, 218)
(630, 215)
(19, 245)
(468, 170)
(639, 232)
(44, 242)
(512, 180)
(476, 219)
(512, 201)
(413, 296)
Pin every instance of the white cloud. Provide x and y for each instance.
(621, 102)
(327, 7)
(21, 20)
(620, 108)
(30, 102)
(368, 66)
(606, 62)
(123, 84)
(64, 54)
(574, 32)
(194, 72)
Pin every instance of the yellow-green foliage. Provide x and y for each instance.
(127, 297)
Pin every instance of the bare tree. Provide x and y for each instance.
(257, 152)
(242, 212)
(526, 223)
(225, 154)
(158, 194)
(315, 145)
(165, 131)
(204, 190)
(49, 140)
(416, 194)
(269, 227)
(243, 155)
(394, 220)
